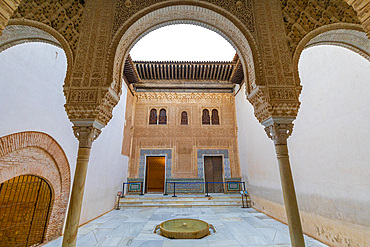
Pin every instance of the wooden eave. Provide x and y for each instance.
(179, 75)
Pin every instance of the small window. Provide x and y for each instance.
(215, 118)
(184, 118)
(162, 117)
(205, 117)
(153, 116)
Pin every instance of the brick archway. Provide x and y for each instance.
(36, 153)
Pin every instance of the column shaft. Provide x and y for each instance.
(74, 211)
(290, 200)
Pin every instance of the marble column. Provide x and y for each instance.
(86, 135)
(279, 130)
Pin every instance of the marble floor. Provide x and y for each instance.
(235, 227)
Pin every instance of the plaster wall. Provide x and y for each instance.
(328, 149)
(31, 99)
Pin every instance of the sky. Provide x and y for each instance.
(182, 42)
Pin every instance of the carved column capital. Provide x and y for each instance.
(86, 135)
(278, 130)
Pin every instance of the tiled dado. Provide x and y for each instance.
(155, 152)
(134, 186)
(185, 185)
(213, 152)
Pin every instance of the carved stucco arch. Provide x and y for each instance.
(159, 15)
(55, 169)
(20, 31)
(350, 36)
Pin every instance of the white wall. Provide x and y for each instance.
(330, 142)
(256, 151)
(328, 148)
(32, 99)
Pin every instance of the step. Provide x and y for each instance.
(182, 200)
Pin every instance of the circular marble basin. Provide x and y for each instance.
(184, 228)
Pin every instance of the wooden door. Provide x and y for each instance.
(213, 173)
(155, 174)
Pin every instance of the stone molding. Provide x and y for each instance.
(57, 173)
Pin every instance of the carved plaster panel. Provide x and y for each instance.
(243, 10)
(64, 16)
(301, 17)
(7, 8)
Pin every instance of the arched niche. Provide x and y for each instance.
(36, 153)
(156, 16)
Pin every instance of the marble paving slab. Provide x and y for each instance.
(133, 227)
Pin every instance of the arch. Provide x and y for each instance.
(37, 153)
(184, 118)
(205, 117)
(153, 116)
(162, 117)
(20, 31)
(350, 36)
(215, 117)
(176, 12)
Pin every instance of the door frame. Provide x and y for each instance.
(146, 167)
(223, 168)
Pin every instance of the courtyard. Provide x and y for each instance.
(235, 227)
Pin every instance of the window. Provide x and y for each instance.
(184, 118)
(205, 117)
(162, 117)
(153, 116)
(215, 118)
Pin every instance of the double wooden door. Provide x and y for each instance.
(213, 173)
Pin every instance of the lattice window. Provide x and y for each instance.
(153, 116)
(25, 205)
(205, 117)
(215, 118)
(162, 117)
(184, 118)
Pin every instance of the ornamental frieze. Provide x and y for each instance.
(243, 10)
(302, 17)
(184, 96)
(63, 16)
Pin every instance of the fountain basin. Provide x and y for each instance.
(184, 228)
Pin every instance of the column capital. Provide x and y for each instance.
(278, 129)
(86, 135)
